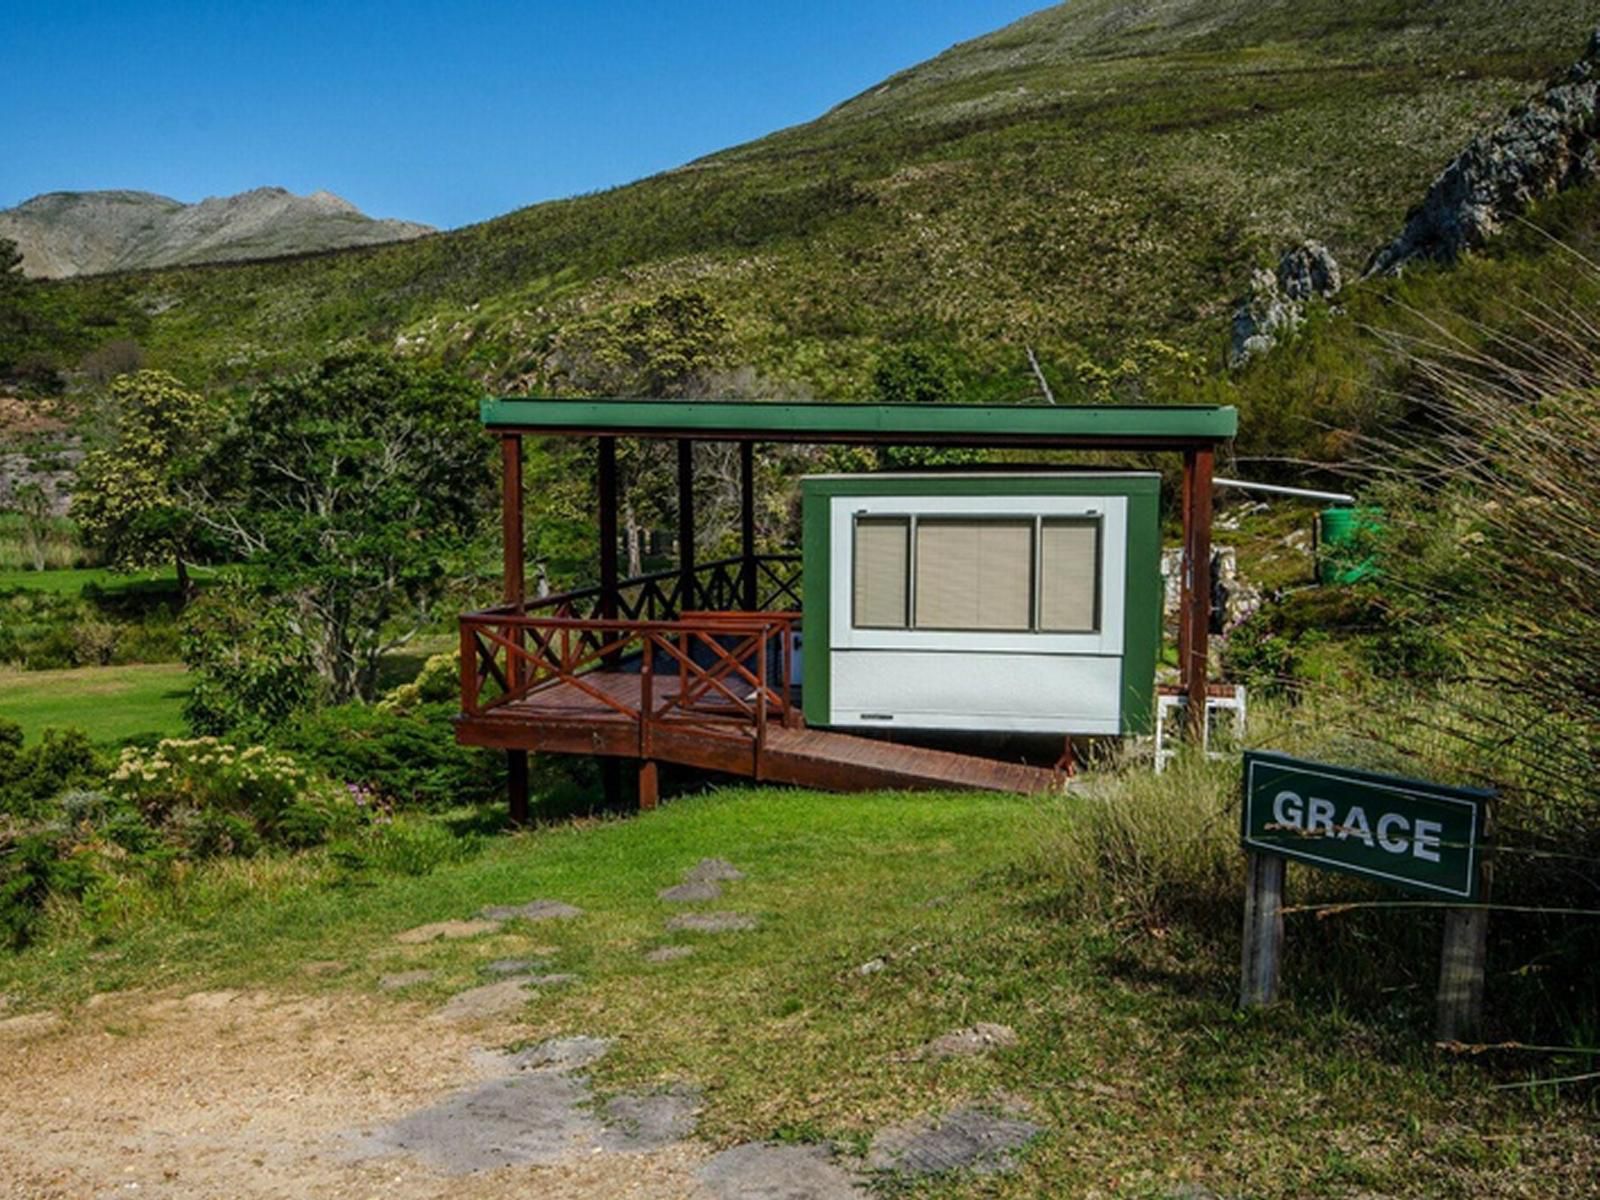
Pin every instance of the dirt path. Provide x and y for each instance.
(251, 1094)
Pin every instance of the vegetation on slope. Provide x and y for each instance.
(1096, 175)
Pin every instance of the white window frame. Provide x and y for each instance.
(1112, 511)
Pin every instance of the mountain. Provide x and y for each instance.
(86, 233)
(1095, 182)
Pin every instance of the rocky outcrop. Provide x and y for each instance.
(1546, 146)
(84, 233)
(1275, 305)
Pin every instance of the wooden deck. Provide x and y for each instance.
(563, 718)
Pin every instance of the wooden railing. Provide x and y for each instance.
(658, 596)
(708, 667)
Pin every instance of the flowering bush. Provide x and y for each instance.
(215, 798)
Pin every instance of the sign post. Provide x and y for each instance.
(1423, 837)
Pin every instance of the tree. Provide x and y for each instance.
(250, 661)
(355, 489)
(130, 497)
(667, 348)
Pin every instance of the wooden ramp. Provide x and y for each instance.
(600, 718)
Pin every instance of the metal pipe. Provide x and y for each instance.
(1279, 490)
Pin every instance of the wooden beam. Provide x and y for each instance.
(1262, 955)
(1197, 541)
(686, 597)
(649, 785)
(606, 485)
(517, 785)
(511, 532)
(747, 524)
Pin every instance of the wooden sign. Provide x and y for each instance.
(1425, 838)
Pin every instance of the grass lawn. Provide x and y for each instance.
(108, 703)
(71, 581)
(1136, 1064)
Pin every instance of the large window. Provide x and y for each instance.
(977, 574)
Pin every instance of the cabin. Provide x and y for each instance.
(920, 607)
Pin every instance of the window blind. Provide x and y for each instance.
(974, 574)
(882, 551)
(1069, 576)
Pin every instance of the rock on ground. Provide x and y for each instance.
(1546, 146)
(1275, 305)
(445, 931)
(646, 1120)
(965, 1043)
(713, 870)
(512, 966)
(399, 980)
(662, 954)
(966, 1138)
(490, 1000)
(534, 910)
(713, 922)
(759, 1171)
(564, 1053)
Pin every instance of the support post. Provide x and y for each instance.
(1261, 957)
(607, 487)
(514, 572)
(1197, 570)
(517, 785)
(1458, 1015)
(649, 786)
(747, 526)
(686, 597)
(514, 569)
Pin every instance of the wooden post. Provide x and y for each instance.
(649, 785)
(607, 486)
(1458, 1015)
(1197, 559)
(514, 569)
(517, 785)
(514, 588)
(1263, 929)
(747, 525)
(686, 597)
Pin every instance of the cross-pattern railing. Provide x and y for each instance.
(728, 668)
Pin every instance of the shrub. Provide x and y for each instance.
(212, 798)
(31, 775)
(404, 757)
(436, 683)
(403, 846)
(250, 661)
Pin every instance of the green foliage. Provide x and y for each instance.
(437, 682)
(210, 798)
(403, 846)
(44, 631)
(250, 660)
(130, 501)
(30, 775)
(400, 758)
(355, 488)
(662, 348)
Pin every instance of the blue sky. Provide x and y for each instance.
(444, 111)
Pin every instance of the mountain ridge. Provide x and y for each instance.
(68, 233)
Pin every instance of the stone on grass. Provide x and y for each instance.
(648, 1120)
(562, 1053)
(871, 967)
(713, 870)
(663, 954)
(712, 922)
(688, 893)
(535, 1118)
(511, 966)
(490, 1000)
(399, 980)
(761, 1171)
(533, 910)
(965, 1043)
(445, 931)
(967, 1138)
(324, 967)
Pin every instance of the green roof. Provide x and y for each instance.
(1044, 425)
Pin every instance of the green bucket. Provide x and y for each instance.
(1343, 536)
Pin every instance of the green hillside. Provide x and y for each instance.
(1093, 176)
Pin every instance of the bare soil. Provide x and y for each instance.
(256, 1094)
